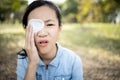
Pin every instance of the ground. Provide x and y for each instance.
(100, 55)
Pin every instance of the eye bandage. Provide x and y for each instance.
(37, 24)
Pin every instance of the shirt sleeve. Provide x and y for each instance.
(77, 72)
(21, 68)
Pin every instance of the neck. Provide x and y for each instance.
(47, 58)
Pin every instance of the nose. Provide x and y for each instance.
(42, 33)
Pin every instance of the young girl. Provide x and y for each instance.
(42, 57)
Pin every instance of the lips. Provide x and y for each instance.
(43, 43)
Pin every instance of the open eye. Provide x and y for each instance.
(50, 24)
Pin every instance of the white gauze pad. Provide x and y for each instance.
(37, 24)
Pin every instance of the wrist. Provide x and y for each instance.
(34, 61)
(32, 64)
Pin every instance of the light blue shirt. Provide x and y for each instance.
(65, 66)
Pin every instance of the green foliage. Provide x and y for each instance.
(90, 10)
(69, 9)
(11, 6)
(85, 10)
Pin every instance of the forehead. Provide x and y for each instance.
(43, 12)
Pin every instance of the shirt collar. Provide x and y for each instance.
(55, 61)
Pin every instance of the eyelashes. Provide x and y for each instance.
(50, 24)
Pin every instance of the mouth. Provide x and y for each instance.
(43, 43)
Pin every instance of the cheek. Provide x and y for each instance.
(54, 33)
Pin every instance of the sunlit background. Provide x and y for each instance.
(91, 28)
(55, 1)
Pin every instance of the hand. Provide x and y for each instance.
(30, 47)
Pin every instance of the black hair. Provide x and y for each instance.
(38, 3)
(32, 6)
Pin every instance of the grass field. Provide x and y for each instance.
(97, 44)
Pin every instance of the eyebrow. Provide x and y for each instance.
(49, 20)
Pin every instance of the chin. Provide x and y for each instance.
(43, 51)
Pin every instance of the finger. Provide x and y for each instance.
(32, 37)
(27, 41)
(26, 36)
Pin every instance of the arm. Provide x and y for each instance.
(31, 72)
(32, 53)
(77, 73)
(25, 70)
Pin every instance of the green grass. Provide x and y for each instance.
(11, 36)
(105, 36)
(101, 40)
(98, 41)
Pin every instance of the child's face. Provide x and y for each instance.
(46, 38)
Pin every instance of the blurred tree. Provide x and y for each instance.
(90, 10)
(69, 10)
(110, 8)
(9, 8)
(85, 11)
